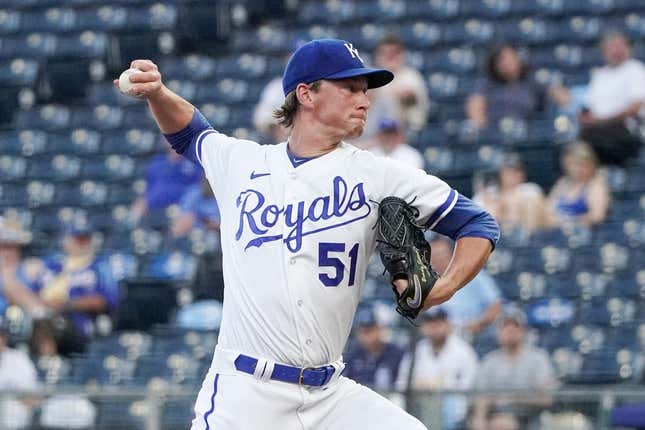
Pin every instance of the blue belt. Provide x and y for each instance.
(313, 376)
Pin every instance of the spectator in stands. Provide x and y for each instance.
(508, 90)
(71, 291)
(198, 209)
(442, 360)
(581, 196)
(406, 97)
(371, 360)
(14, 270)
(475, 307)
(167, 177)
(517, 205)
(615, 102)
(17, 373)
(390, 142)
(523, 370)
(271, 99)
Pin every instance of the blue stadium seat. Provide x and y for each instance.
(103, 370)
(24, 142)
(120, 414)
(145, 241)
(106, 93)
(471, 31)
(121, 194)
(91, 193)
(155, 17)
(137, 116)
(53, 370)
(170, 339)
(122, 265)
(50, 20)
(129, 345)
(12, 195)
(634, 25)
(531, 286)
(582, 29)
(100, 117)
(45, 117)
(176, 413)
(530, 30)
(497, 8)
(40, 193)
(173, 265)
(9, 21)
(437, 10)
(33, 45)
(134, 141)
(110, 168)
(107, 18)
(18, 72)
(421, 35)
(195, 67)
(175, 368)
(439, 160)
(13, 168)
(88, 44)
(456, 60)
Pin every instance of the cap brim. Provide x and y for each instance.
(375, 77)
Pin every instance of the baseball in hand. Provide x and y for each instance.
(125, 85)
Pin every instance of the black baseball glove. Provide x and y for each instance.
(405, 253)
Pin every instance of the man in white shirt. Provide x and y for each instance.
(615, 101)
(17, 374)
(442, 360)
(406, 97)
(390, 142)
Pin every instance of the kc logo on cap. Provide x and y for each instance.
(353, 51)
(328, 59)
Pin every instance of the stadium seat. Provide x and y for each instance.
(176, 413)
(104, 370)
(436, 10)
(195, 67)
(45, 117)
(175, 368)
(129, 345)
(106, 18)
(100, 117)
(12, 168)
(174, 265)
(53, 370)
(133, 141)
(122, 265)
(110, 168)
(10, 20)
(472, 31)
(121, 414)
(18, 72)
(154, 17)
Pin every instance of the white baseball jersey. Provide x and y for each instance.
(296, 240)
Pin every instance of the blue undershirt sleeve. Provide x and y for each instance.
(466, 219)
(185, 141)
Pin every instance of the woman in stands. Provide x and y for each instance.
(507, 91)
(581, 195)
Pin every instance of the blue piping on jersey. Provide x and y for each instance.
(183, 141)
(295, 160)
(466, 219)
(210, 411)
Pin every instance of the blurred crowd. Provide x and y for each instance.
(67, 294)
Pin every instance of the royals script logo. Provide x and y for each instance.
(258, 217)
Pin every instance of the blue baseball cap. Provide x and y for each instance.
(386, 124)
(366, 317)
(329, 59)
(79, 227)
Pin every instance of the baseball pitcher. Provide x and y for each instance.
(300, 221)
